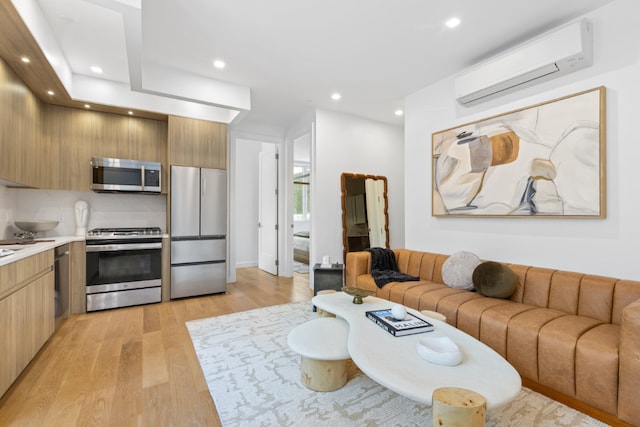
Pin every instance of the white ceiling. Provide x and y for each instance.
(290, 55)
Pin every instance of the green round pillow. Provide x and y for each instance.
(493, 279)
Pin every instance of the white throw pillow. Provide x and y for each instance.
(457, 270)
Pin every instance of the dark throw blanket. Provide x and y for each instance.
(384, 268)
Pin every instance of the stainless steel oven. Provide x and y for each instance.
(124, 267)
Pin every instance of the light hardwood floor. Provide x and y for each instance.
(134, 366)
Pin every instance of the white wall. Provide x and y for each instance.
(351, 144)
(598, 246)
(246, 195)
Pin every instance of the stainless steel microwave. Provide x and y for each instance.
(122, 175)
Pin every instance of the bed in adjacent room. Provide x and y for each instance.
(301, 246)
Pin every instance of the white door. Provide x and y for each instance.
(268, 210)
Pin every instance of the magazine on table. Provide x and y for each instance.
(409, 325)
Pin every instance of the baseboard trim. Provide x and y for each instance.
(575, 404)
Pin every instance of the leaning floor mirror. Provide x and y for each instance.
(365, 217)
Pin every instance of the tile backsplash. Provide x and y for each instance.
(105, 210)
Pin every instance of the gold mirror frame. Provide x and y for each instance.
(345, 232)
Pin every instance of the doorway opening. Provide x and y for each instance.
(301, 203)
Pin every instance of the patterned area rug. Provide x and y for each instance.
(254, 379)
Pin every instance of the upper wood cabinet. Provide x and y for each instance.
(50, 146)
(197, 143)
(20, 140)
(73, 136)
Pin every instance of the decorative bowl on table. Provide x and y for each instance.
(357, 293)
(440, 350)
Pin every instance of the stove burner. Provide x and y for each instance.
(124, 232)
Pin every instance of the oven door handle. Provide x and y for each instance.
(123, 247)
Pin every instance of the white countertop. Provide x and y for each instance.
(24, 251)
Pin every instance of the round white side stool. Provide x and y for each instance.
(322, 346)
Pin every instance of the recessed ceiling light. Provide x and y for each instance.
(87, 106)
(336, 96)
(453, 22)
(25, 59)
(96, 69)
(130, 113)
(50, 92)
(399, 112)
(219, 64)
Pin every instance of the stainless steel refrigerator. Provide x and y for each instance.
(198, 231)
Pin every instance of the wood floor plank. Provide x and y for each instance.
(134, 366)
(154, 369)
(103, 381)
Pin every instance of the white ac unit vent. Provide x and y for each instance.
(558, 52)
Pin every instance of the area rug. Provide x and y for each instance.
(254, 379)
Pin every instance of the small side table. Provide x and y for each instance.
(328, 277)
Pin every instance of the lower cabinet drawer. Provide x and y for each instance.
(107, 300)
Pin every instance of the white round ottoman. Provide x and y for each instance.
(322, 346)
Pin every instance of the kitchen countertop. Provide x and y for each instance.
(24, 251)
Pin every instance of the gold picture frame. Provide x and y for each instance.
(545, 160)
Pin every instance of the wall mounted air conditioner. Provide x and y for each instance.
(552, 54)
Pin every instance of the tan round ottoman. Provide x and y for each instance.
(458, 407)
(322, 346)
(434, 315)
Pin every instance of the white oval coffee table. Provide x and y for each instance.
(394, 362)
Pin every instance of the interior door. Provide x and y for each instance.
(268, 209)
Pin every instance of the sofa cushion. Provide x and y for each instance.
(457, 270)
(557, 343)
(493, 279)
(597, 363)
(413, 295)
(522, 339)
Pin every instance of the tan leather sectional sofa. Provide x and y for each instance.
(574, 337)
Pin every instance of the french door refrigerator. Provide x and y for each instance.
(198, 231)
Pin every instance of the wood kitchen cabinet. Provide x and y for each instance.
(78, 277)
(20, 140)
(26, 313)
(49, 146)
(73, 136)
(197, 143)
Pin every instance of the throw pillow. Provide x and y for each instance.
(457, 270)
(493, 279)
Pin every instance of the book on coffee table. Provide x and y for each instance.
(409, 325)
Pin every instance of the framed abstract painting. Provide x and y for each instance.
(546, 160)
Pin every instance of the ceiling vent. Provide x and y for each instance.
(553, 54)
